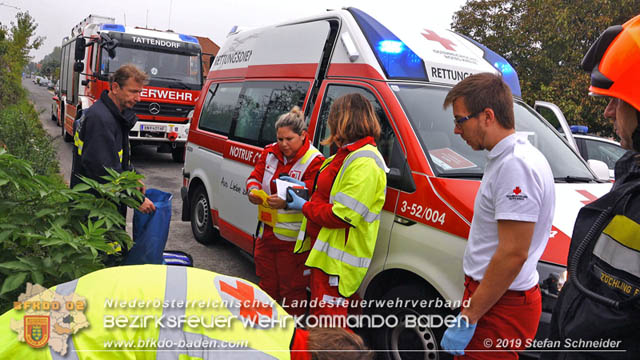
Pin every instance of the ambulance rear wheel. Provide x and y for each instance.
(409, 339)
(201, 222)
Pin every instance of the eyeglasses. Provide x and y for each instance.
(458, 122)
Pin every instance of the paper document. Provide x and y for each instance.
(282, 186)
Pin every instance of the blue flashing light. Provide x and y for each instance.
(504, 67)
(509, 74)
(112, 27)
(188, 38)
(396, 59)
(391, 46)
(579, 129)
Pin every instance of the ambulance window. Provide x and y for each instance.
(387, 136)
(220, 106)
(261, 103)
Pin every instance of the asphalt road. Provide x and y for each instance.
(160, 173)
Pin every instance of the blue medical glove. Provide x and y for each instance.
(296, 203)
(292, 180)
(457, 337)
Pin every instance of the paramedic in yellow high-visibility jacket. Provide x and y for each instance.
(343, 215)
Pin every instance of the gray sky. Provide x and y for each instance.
(210, 18)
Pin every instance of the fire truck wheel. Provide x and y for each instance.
(65, 136)
(413, 337)
(177, 154)
(201, 223)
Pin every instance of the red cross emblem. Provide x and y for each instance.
(517, 190)
(250, 308)
(430, 35)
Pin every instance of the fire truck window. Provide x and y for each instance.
(387, 136)
(219, 108)
(261, 103)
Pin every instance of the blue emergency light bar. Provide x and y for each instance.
(579, 129)
(396, 59)
(188, 38)
(509, 74)
(112, 27)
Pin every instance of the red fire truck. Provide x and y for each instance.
(97, 47)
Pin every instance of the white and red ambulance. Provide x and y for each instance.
(405, 70)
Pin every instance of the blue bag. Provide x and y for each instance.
(150, 231)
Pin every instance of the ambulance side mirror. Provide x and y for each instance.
(399, 175)
(599, 168)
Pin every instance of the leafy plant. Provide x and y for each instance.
(22, 134)
(49, 233)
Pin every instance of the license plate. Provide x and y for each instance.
(161, 128)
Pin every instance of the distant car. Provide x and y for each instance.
(44, 82)
(598, 148)
(51, 85)
(592, 148)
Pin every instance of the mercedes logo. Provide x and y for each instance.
(154, 108)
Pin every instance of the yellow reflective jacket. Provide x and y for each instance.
(358, 194)
(151, 312)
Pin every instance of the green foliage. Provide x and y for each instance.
(22, 134)
(50, 64)
(15, 45)
(49, 233)
(545, 41)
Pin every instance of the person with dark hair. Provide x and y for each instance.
(101, 134)
(282, 273)
(511, 223)
(164, 312)
(601, 299)
(343, 215)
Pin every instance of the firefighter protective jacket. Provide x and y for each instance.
(101, 139)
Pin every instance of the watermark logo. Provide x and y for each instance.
(36, 330)
(49, 318)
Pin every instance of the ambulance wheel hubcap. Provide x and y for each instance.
(202, 213)
(419, 338)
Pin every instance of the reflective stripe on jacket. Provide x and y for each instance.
(171, 294)
(357, 195)
(288, 221)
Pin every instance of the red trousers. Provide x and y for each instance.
(507, 327)
(281, 272)
(324, 291)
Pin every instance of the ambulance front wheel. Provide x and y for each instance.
(416, 335)
(201, 222)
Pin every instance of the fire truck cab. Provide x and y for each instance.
(97, 47)
(405, 69)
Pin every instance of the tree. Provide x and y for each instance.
(545, 41)
(51, 64)
(15, 45)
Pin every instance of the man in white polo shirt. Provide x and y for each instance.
(511, 223)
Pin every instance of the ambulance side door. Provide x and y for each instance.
(388, 145)
(253, 127)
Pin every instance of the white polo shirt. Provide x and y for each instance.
(517, 185)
